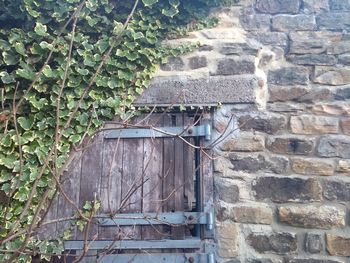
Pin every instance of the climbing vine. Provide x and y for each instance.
(67, 66)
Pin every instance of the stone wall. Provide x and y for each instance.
(282, 176)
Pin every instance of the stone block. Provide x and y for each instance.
(313, 59)
(332, 75)
(182, 89)
(289, 76)
(285, 23)
(221, 164)
(205, 47)
(223, 211)
(315, 6)
(312, 260)
(344, 59)
(197, 62)
(290, 145)
(334, 21)
(293, 93)
(340, 5)
(339, 48)
(342, 93)
(308, 124)
(238, 49)
(343, 166)
(228, 33)
(235, 66)
(265, 260)
(277, 6)
(312, 42)
(336, 191)
(226, 190)
(270, 124)
(173, 64)
(284, 189)
(251, 21)
(227, 235)
(334, 146)
(279, 243)
(310, 216)
(313, 167)
(252, 214)
(314, 243)
(334, 109)
(257, 163)
(281, 107)
(271, 38)
(338, 245)
(244, 143)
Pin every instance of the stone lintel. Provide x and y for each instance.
(211, 90)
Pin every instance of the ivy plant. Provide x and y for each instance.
(66, 66)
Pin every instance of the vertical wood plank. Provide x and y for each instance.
(111, 184)
(179, 232)
(132, 183)
(90, 178)
(71, 187)
(168, 173)
(153, 180)
(49, 231)
(189, 172)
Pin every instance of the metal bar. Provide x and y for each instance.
(195, 131)
(156, 258)
(198, 184)
(176, 218)
(135, 244)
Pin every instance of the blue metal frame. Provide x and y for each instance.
(176, 218)
(157, 258)
(190, 243)
(194, 131)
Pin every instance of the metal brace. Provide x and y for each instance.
(194, 131)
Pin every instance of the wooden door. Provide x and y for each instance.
(141, 176)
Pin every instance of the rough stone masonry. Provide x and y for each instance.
(282, 178)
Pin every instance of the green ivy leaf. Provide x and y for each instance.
(102, 45)
(7, 78)
(47, 71)
(40, 29)
(10, 58)
(75, 138)
(118, 28)
(149, 2)
(6, 140)
(26, 122)
(138, 35)
(45, 45)
(83, 71)
(170, 12)
(4, 45)
(20, 48)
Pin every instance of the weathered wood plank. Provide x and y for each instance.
(168, 173)
(71, 187)
(189, 173)
(111, 183)
(91, 178)
(50, 230)
(179, 232)
(153, 180)
(132, 179)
